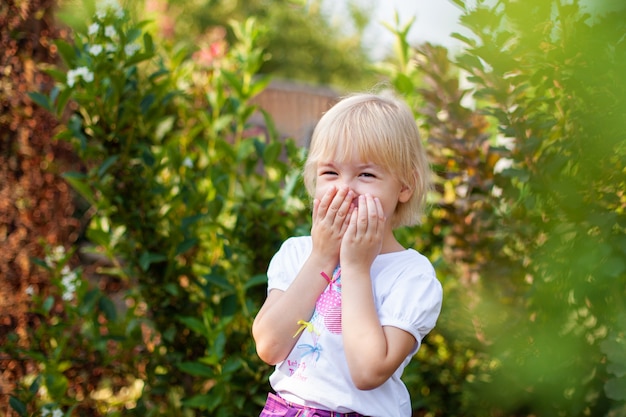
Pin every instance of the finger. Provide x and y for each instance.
(325, 202)
(316, 207)
(381, 215)
(344, 206)
(362, 215)
(352, 227)
(337, 201)
(349, 216)
(374, 215)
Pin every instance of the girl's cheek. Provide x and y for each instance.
(321, 190)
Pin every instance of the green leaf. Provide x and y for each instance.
(34, 387)
(615, 389)
(235, 82)
(57, 384)
(232, 365)
(272, 152)
(41, 100)
(47, 304)
(195, 325)
(148, 43)
(108, 308)
(256, 280)
(137, 58)
(203, 401)
(67, 52)
(107, 164)
(218, 281)
(62, 100)
(260, 83)
(196, 369)
(403, 84)
(148, 258)
(18, 406)
(146, 103)
(79, 183)
(186, 245)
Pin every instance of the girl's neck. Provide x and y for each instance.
(391, 244)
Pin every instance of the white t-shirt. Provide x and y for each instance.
(407, 296)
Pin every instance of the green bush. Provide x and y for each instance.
(527, 224)
(187, 202)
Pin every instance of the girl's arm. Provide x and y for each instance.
(278, 320)
(276, 323)
(373, 352)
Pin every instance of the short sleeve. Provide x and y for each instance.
(413, 301)
(287, 262)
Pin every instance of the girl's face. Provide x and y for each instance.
(362, 178)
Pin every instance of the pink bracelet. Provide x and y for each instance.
(326, 277)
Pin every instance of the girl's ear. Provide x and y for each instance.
(405, 194)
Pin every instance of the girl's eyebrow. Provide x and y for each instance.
(333, 164)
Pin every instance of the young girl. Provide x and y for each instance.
(348, 306)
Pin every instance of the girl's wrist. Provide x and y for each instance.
(323, 264)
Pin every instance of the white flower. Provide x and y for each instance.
(58, 252)
(109, 31)
(57, 413)
(30, 291)
(496, 191)
(88, 76)
(130, 49)
(502, 164)
(93, 29)
(95, 50)
(78, 73)
(109, 47)
(107, 6)
(188, 162)
(68, 281)
(45, 412)
(506, 142)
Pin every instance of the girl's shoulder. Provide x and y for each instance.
(298, 243)
(410, 258)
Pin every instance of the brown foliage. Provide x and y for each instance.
(35, 202)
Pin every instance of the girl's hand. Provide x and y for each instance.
(331, 216)
(363, 239)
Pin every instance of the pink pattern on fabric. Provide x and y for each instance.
(332, 320)
(327, 300)
(328, 304)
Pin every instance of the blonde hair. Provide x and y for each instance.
(381, 129)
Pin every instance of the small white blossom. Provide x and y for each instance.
(107, 6)
(502, 164)
(57, 413)
(496, 191)
(130, 49)
(93, 29)
(109, 47)
(88, 76)
(57, 253)
(69, 280)
(45, 412)
(30, 291)
(78, 73)
(95, 50)
(109, 31)
(188, 162)
(506, 142)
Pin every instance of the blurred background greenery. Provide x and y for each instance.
(146, 182)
